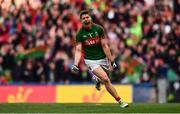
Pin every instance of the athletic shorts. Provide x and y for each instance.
(93, 64)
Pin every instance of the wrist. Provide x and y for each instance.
(112, 62)
(112, 59)
(75, 65)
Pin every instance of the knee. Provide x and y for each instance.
(105, 79)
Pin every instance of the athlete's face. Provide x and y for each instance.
(86, 19)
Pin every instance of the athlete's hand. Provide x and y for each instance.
(114, 65)
(74, 69)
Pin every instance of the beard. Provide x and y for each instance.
(87, 23)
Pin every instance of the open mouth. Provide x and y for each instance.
(86, 23)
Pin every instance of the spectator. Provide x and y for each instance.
(137, 30)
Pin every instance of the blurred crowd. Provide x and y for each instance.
(143, 35)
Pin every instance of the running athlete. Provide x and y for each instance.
(91, 39)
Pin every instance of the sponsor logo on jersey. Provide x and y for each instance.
(91, 41)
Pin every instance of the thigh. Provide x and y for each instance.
(100, 73)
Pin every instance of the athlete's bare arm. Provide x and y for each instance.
(78, 52)
(106, 49)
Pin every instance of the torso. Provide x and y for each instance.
(91, 42)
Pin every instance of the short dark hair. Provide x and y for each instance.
(84, 12)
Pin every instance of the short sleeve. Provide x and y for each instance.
(101, 31)
(78, 37)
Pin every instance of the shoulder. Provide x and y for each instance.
(99, 29)
(79, 33)
(98, 26)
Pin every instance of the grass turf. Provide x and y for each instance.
(87, 108)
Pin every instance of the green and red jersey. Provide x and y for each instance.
(91, 42)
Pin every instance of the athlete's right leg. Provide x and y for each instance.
(102, 75)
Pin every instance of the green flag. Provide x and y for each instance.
(36, 52)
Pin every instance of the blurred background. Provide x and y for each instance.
(37, 50)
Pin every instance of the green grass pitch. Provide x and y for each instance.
(87, 108)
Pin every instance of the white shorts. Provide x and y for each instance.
(93, 64)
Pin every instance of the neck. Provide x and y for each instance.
(88, 27)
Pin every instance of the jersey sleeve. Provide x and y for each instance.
(78, 37)
(101, 31)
